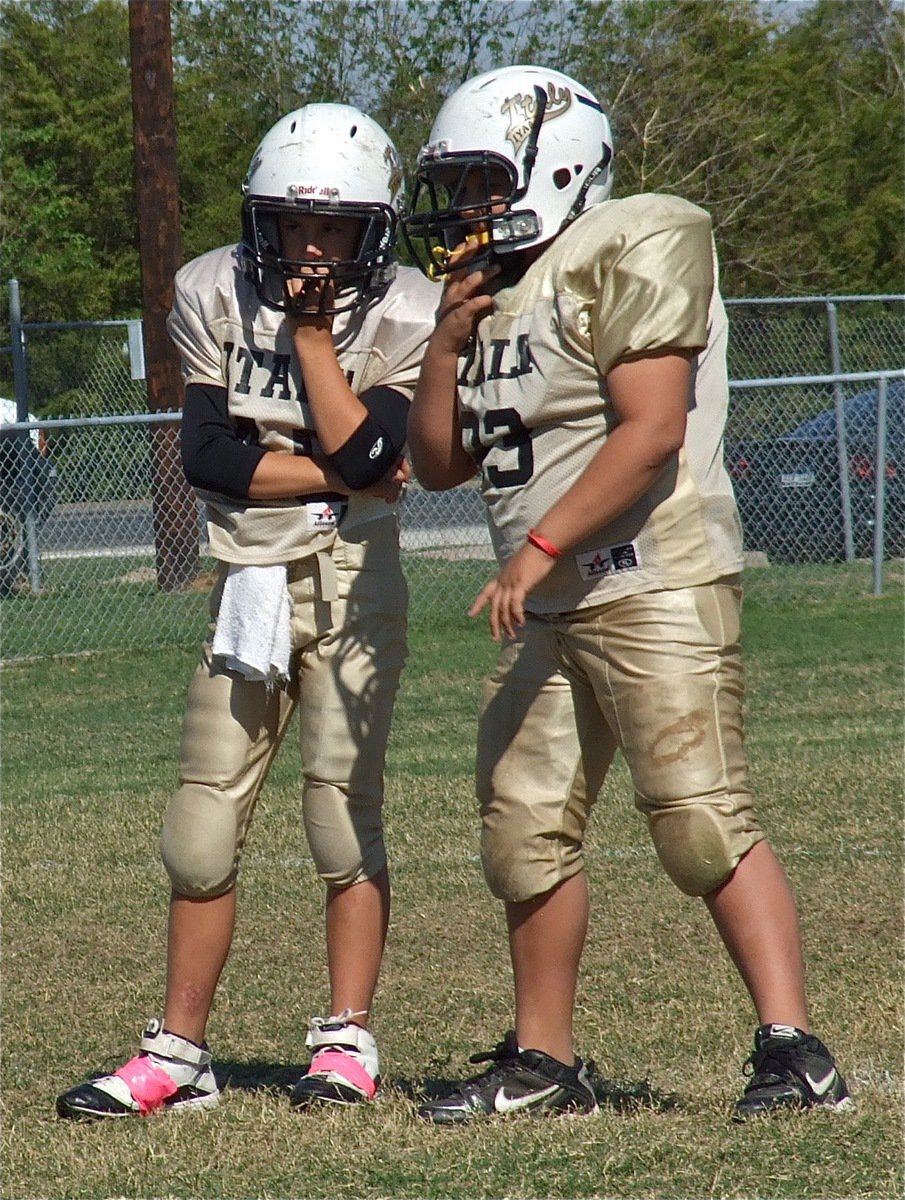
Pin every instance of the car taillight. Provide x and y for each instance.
(861, 467)
(739, 468)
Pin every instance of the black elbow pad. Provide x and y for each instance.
(377, 444)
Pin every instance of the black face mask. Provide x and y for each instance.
(344, 284)
(457, 196)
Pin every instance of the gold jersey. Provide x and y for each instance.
(628, 276)
(227, 338)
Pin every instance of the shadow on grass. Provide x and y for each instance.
(256, 1076)
(623, 1096)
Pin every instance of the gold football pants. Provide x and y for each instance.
(348, 655)
(657, 676)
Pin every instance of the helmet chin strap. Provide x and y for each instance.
(578, 206)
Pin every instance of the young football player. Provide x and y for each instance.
(300, 349)
(579, 366)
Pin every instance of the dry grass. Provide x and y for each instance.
(89, 757)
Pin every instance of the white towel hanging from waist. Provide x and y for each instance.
(253, 634)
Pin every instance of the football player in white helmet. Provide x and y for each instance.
(301, 347)
(522, 151)
(579, 368)
(349, 166)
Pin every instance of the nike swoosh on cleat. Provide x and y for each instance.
(820, 1087)
(503, 1103)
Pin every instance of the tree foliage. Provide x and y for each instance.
(67, 226)
(785, 122)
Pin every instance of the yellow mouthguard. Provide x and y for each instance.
(436, 269)
(433, 268)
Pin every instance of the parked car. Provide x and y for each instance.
(21, 458)
(789, 491)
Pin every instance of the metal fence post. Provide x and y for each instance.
(880, 489)
(137, 368)
(845, 495)
(25, 467)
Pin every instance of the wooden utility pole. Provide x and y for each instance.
(160, 251)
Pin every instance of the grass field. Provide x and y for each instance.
(89, 760)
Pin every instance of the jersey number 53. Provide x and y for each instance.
(499, 430)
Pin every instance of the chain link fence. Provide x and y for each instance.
(818, 335)
(103, 546)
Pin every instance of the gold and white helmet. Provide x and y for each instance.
(545, 131)
(326, 159)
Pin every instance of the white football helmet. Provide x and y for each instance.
(542, 131)
(323, 159)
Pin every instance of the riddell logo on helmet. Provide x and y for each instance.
(297, 191)
(520, 110)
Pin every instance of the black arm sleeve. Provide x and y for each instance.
(218, 455)
(377, 443)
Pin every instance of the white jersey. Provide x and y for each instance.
(228, 338)
(628, 276)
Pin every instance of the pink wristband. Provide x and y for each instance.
(542, 544)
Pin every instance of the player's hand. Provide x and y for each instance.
(307, 295)
(465, 300)
(505, 596)
(393, 485)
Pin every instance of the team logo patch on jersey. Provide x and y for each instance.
(608, 560)
(324, 514)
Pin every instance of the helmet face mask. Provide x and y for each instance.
(344, 282)
(457, 196)
(329, 165)
(538, 129)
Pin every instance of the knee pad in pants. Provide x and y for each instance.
(700, 844)
(345, 835)
(199, 842)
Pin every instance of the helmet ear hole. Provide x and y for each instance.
(562, 177)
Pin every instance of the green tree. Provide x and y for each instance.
(67, 225)
(787, 125)
(839, 77)
(230, 60)
(785, 122)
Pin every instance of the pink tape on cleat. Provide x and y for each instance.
(347, 1067)
(150, 1085)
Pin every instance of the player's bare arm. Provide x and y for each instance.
(435, 435)
(281, 476)
(339, 415)
(650, 397)
(336, 410)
